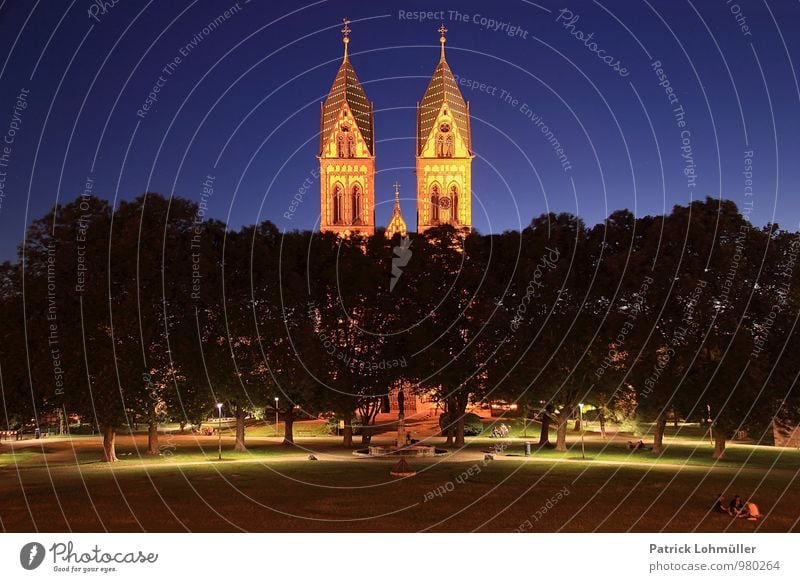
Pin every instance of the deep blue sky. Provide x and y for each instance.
(243, 105)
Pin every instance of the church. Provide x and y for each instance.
(347, 155)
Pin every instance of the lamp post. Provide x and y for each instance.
(580, 417)
(219, 431)
(276, 416)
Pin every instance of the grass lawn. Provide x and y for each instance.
(12, 459)
(275, 488)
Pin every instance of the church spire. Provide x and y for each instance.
(396, 224)
(347, 89)
(346, 35)
(347, 153)
(442, 39)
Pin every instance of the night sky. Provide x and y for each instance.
(242, 104)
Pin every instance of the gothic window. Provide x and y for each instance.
(454, 198)
(434, 204)
(444, 141)
(337, 204)
(345, 142)
(355, 204)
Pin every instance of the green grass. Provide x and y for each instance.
(272, 487)
(676, 452)
(360, 496)
(14, 458)
(191, 454)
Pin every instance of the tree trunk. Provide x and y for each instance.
(183, 426)
(658, 435)
(288, 433)
(719, 444)
(544, 435)
(347, 435)
(460, 430)
(109, 451)
(241, 414)
(448, 422)
(561, 433)
(152, 432)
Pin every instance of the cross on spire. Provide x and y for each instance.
(346, 35)
(442, 30)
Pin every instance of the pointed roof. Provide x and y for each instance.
(347, 88)
(442, 88)
(396, 225)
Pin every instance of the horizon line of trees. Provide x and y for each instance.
(149, 312)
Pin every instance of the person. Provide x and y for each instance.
(736, 508)
(503, 430)
(753, 512)
(719, 504)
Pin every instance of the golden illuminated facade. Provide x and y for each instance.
(347, 154)
(396, 224)
(444, 154)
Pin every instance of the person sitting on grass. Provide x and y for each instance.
(753, 512)
(636, 446)
(719, 504)
(737, 508)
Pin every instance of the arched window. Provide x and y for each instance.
(337, 204)
(434, 204)
(454, 199)
(340, 152)
(355, 204)
(351, 146)
(444, 141)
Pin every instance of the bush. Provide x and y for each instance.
(473, 426)
(332, 425)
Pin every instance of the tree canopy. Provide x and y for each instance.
(150, 311)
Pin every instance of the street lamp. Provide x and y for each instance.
(219, 431)
(580, 419)
(276, 416)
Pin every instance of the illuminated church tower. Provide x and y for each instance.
(396, 224)
(347, 154)
(444, 153)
